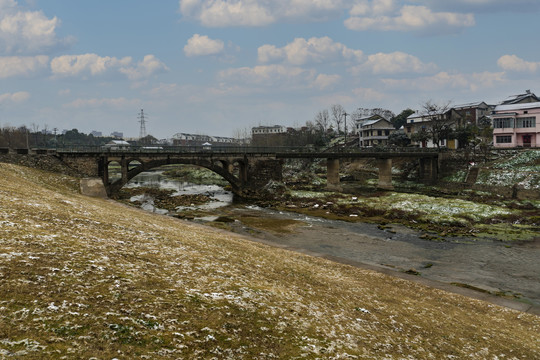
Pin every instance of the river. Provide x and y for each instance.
(510, 270)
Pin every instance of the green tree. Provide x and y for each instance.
(401, 119)
(464, 135)
(398, 138)
(420, 136)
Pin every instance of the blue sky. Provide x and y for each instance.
(219, 67)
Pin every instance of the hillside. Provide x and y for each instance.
(83, 277)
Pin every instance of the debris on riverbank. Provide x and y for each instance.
(193, 174)
(163, 198)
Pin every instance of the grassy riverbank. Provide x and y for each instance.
(83, 277)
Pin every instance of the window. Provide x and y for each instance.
(504, 139)
(502, 123)
(526, 122)
(379, 132)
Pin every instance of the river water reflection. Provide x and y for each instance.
(155, 179)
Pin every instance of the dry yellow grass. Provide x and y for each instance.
(83, 277)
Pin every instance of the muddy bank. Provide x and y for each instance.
(502, 269)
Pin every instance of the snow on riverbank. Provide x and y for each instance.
(84, 277)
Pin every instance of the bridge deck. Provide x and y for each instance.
(233, 151)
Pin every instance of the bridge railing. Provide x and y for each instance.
(238, 149)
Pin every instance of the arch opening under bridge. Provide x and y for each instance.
(231, 171)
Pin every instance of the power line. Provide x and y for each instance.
(142, 121)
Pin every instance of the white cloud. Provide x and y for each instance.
(385, 15)
(118, 103)
(163, 90)
(367, 94)
(313, 50)
(374, 7)
(323, 81)
(22, 65)
(445, 80)
(16, 98)
(279, 76)
(484, 5)
(26, 31)
(201, 45)
(408, 18)
(144, 69)
(514, 63)
(73, 65)
(392, 63)
(220, 13)
(265, 74)
(92, 64)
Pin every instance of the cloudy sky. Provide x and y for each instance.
(217, 67)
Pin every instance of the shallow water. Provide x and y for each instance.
(155, 179)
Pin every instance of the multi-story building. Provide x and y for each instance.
(184, 139)
(417, 122)
(265, 130)
(375, 131)
(527, 97)
(268, 135)
(472, 113)
(517, 125)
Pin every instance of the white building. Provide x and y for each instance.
(266, 130)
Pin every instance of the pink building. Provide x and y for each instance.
(517, 125)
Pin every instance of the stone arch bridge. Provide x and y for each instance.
(247, 169)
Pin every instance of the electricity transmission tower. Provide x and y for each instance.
(142, 121)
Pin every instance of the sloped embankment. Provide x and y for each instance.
(83, 277)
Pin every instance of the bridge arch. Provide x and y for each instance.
(219, 167)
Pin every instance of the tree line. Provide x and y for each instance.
(25, 138)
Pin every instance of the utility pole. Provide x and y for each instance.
(345, 114)
(142, 121)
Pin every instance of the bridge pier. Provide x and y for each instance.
(125, 167)
(429, 170)
(261, 172)
(385, 174)
(332, 175)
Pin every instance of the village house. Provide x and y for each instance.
(417, 122)
(515, 121)
(474, 113)
(374, 131)
(117, 145)
(527, 97)
(268, 135)
(517, 125)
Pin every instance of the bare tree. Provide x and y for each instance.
(322, 120)
(337, 115)
(439, 120)
(242, 135)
